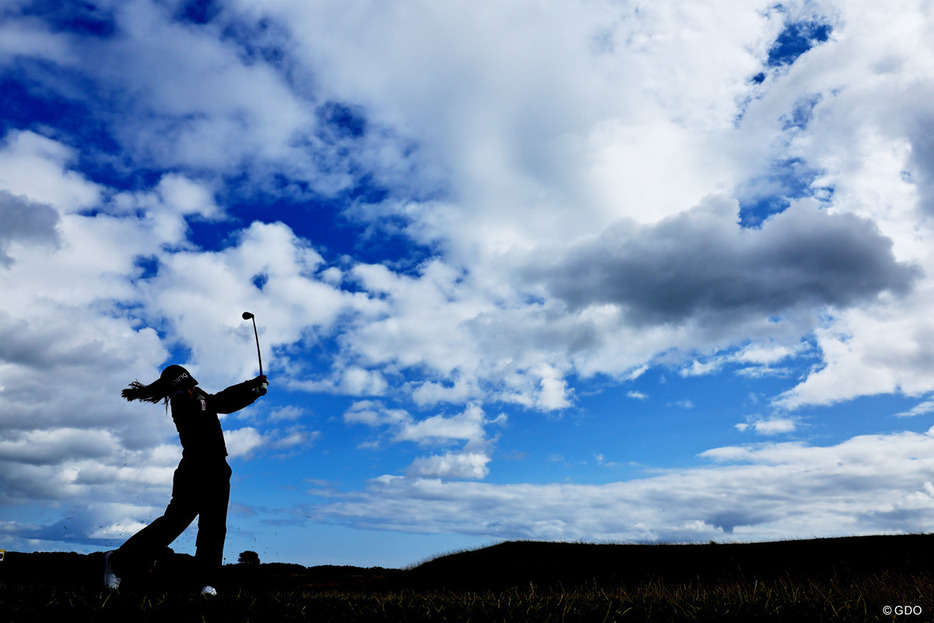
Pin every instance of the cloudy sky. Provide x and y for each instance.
(600, 270)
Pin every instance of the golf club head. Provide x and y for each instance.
(247, 315)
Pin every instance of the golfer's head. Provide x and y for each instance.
(177, 379)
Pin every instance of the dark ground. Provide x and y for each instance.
(845, 579)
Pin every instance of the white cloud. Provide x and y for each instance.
(186, 196)
(294, 437)
(467, 426)
(234, 109)
(539, 126)
(769, 426)
(767, 492)
(464, 466)
(765, 354)
(922, 408)
(554, 389)
(196, 291)
(41, 447)
(243, 441)
(24, 221)
(373, 413)
(878, 349)
(287, 413)
(35, 166)
(29, 39)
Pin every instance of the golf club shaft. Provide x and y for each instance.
(258, 355)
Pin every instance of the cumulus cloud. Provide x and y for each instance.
(921, 408)
(871, 350)
(702, 263)
(44, 447)
(468, 427)
(767, 492)
(769, 425)
(39, 168)
(465, 466)
(373, 413)
(440, 429)
(24, 221)
(287, 413)
(242, 441)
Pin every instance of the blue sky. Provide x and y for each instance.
(589, 271)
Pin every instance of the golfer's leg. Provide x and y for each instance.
(143, 547)
(212, 525)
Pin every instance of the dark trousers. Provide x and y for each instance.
(198, 489)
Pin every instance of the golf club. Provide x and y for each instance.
(249, 316)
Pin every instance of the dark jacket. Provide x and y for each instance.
(195, 414)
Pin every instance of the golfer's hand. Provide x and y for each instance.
(261, 385)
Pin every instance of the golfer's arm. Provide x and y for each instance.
(234, 397)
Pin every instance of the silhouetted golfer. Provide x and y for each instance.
(201, 485)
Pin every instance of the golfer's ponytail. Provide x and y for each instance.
(173, 379)
(154, 392)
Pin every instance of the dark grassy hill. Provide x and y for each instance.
(842, 580)
(521, 563)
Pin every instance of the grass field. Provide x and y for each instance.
(855, 579)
